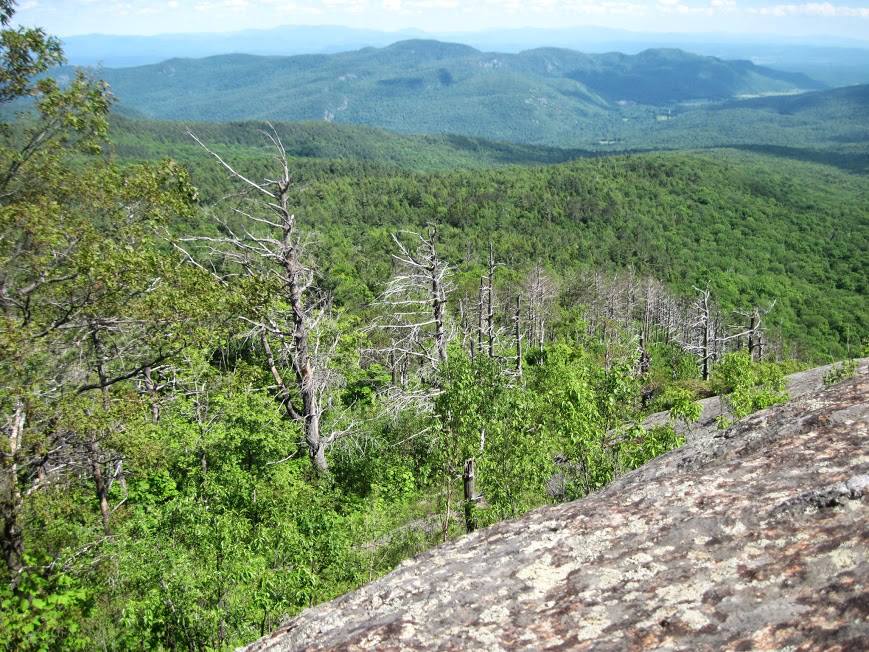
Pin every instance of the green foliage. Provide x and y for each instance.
(824, 127)
(843, 371)
(638, 445)
(138, 139)
(44, 612)
(642, 211)
(24, 54)
(749, 386)
(683, 407)
(670, 363)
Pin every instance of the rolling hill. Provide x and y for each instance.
(544, 96)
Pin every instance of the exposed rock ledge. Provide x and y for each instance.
(754, 538)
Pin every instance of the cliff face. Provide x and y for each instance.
(751, 538)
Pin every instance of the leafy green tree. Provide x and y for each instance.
(748, 386)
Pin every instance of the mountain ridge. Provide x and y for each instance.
(542, 96)
(839, 61)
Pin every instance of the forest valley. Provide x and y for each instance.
(217, 413)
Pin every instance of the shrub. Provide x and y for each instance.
(840, 372)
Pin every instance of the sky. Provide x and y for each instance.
(848, 19)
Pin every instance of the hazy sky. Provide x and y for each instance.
(791, 17)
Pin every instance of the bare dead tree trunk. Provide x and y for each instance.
(490, 314)
(415, 299)
(439, 296)
(101, 486)
(480, 304)
(644, 362)
(307, 385)
(282, 254)
(11, 501)
(517, 334)
(541, 292)
(463, 325)
(705, 333)
(151, 389)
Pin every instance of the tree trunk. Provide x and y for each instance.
(151, 388)
(705, 334)
(305, 379)
(470, 495)
(438, 302)
(490, 316)
(100, 484)
(480, 317)
(752, 341)
(11, 501)
(517, 333)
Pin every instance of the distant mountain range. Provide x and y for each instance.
(546, 96)
(834, 61)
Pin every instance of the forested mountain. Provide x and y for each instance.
(550, 96)
(846, 103)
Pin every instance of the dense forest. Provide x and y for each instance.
(801, 228)
(239, 377)
(827, 127)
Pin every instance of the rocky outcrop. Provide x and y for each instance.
(753, 538)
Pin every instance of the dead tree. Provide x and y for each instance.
(467, 336)
(622, 304)
(471, 495)
(755, 330)
(490, 299)
(11, 501)
(517, 334)
(540, 291)
(291, 328)
(415, 302)
(480, 303)
(701, 334)
(644, 360)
